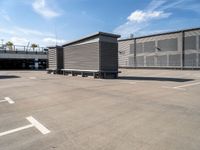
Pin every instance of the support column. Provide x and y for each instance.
(135, 61)
(36, 64)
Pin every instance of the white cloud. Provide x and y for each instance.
(138, 20)
(5, 15)
(6, 31)
(41, 7)
(19, 40)
(53, 41)
(32, 32)
(142, 16)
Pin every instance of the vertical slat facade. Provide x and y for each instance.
(82, 57)
(55, 58)
(52, 58)
(170, 50)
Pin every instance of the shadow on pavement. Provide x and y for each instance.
(8, 76)
(154, 79)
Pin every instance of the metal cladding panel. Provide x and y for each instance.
(168, 51)
(150, 61)
(131, 61)
(190, 43)
(199, 60)
(83, 57)
(139, 48)
(168, 45)
(132, 49)
(52, 58)
(149, 47)
(192, 33)
(199, 42)
(140, 61)
(60, 62)
(162, 61)
(190, 60)
(124, 52)
(175, 60)
(108, 56)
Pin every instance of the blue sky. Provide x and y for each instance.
(46, 21)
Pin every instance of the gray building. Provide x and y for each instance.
(180, 49)
(96, 54)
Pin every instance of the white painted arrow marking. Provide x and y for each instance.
(34, 123)
(7, 99)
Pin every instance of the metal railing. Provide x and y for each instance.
(22, 49)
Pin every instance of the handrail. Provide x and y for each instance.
(20, 48)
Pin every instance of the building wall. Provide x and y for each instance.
(108, 56)
(52, 58)
(162, 51)
(82, 56)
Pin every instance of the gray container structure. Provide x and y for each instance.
(55, 59)
(179, 49)
(95, 55)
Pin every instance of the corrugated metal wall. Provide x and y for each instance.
(108, 56)
(162, 51)
(82, 56)
(55, 58)
(52, 59)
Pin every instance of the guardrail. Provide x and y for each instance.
(22, 49)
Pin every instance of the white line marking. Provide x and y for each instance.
(38, 125)
(16, 130)
(186, 85)
(34, 123)
(7, 99)
(132, 82)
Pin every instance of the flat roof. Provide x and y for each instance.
(158, 34)
(91, 36)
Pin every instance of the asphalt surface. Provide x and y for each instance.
(142, 110)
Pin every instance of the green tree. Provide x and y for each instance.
(33, 46)
(9, 44)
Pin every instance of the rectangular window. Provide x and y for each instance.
(149, 46)
(168, 45)
(190, 43)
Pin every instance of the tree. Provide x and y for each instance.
(33, 46)
(9, 44)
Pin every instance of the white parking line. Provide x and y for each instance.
(38, 125)
(34, 123)
(186, 85)
(7, 99)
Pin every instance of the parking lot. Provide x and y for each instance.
(142, 110)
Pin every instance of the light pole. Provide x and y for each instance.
(2, 42)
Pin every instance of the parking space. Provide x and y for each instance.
(143, 109)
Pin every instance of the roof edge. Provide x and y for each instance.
(158, 34)
(91, 36)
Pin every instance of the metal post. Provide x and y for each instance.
(183, 50)
(135, 62)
